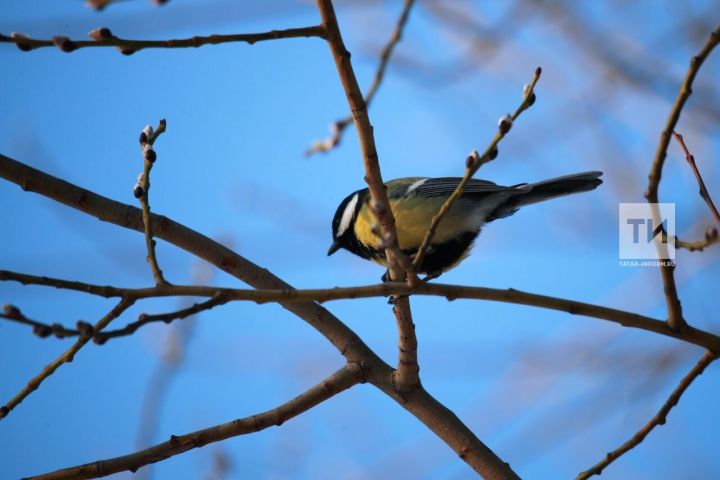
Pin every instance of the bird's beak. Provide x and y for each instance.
(334, 247)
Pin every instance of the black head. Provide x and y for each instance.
(342, 225)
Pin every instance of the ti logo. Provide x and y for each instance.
(647, 231)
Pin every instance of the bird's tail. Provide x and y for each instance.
(545, 190)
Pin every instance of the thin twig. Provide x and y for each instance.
(43, 330)
(473, 163)
(658, 419)
(142, 191)
(144, 319)
(338, 127)
(102, 4)
(704, 194)
(398, 289)
(66, 357)
(103, 37)
(711, 238)
(667, 269)
(346, 377)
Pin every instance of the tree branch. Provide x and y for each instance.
(142, 193)
(346, 377)
(407, 375)
(473, 164)
(358, 107)
(711, 238)
(103, 37)
(691, 335)
(658, 419)
(66, 357)
(339, 126)
(667, 269)
(704, 194)
(42, 330)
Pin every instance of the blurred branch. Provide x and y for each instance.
(66, 357)
(101, 4)
(346, 377)
(165, 371)
(711, 238)
(704, 194)
(658, 419)
(103, 37)
(473, 164)
(142, 192)
(399, 289)
(667, 269)
(339, 126)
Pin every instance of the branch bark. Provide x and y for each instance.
(667, 269)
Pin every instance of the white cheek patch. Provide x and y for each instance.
(347, 216)
(416, 185)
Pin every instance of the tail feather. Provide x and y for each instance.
(547, 189)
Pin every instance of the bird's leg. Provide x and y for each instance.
(430, 276)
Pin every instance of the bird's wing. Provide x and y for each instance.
(445, 186)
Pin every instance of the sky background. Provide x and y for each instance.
(549, 392)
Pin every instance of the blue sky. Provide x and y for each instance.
(551, 393)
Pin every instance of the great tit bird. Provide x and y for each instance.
(415, 200)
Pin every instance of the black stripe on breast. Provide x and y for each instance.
(443, 256)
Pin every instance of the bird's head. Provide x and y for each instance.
(343, 223)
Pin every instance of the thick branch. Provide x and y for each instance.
(339, 126)
(658, 419)
(407, 375)
(102, 37)
(675, 318)
(346, 377)
(451, 292)
(66, 357)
